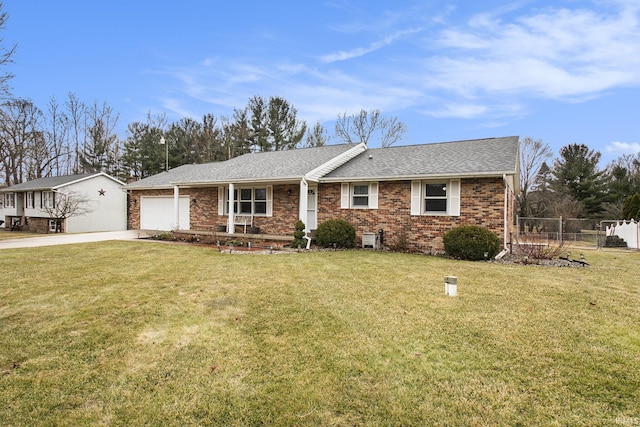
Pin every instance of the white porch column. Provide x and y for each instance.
(176, 205)
(231, 228)
(304, 203)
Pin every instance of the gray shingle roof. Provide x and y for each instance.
(490, 156)
(47, 183)
(265, 166)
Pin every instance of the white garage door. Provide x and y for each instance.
(157, 213)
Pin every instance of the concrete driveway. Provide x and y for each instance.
(64, 239)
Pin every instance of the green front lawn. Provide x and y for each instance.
(141, 333)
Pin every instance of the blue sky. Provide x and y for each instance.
(562, 71)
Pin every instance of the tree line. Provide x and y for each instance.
(74, 137)
(573, 185)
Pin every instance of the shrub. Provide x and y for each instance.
(336, 232)
(535, 246)
(401, 242)
(470, 242)
(298, 236)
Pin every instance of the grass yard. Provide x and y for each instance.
(8, 234)
(140, 333)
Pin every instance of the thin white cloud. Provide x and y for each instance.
(623, 147)
(177, 108)
(466, 111)
(361, 51)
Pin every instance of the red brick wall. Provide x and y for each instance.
(204, 216)
(41, 225)
(285, 211)
(481, 203)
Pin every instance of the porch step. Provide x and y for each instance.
(614, 242)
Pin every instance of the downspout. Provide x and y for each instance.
(506, 204)
(176, 205)
(303, 203)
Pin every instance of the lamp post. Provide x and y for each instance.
(163, 142)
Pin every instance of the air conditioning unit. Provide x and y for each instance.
(368, 240)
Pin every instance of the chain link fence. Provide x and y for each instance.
(581, 233)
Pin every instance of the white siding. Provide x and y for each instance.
(108, 211)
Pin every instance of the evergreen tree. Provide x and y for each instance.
(576, 174)
(316, 136)
(631, 209)
(274, 124)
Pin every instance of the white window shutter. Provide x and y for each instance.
(454, 197)
(344, 195)
(373, 195)
(221, 194)
(416, 197)
(269, 200)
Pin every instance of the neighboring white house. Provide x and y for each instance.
(30, 204)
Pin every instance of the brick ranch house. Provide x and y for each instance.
(414, 193)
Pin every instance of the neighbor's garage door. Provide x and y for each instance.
(157, 213)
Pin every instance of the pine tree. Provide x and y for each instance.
(631, 209)
(576, 174)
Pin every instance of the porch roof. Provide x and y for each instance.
(480, 157)
(285, 165)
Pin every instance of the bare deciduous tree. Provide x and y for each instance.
(67, 205)
(6, 57)
(533, 153)
(76, 113)
(22, 152)
(101, 150)
(57, 132)
(361, 126)
(392, 131)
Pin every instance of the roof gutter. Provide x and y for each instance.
(288, 179)
(494, 174)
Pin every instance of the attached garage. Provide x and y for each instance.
(158, 213)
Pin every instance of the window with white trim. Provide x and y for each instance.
(48, 199)
(359, 195)
(250, 201)
(52, 225)
(9, 200)
(31, 199)
(435, 197)
(260, 201)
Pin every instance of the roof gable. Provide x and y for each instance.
(55, 182)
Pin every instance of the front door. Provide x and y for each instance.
(312, 208)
